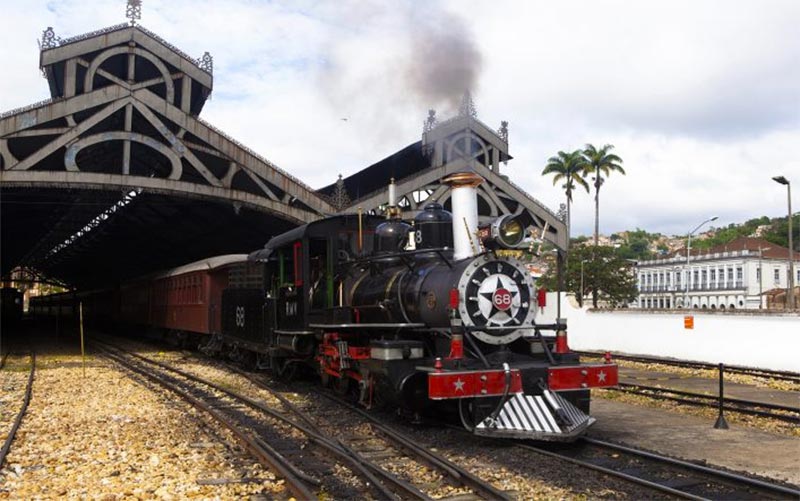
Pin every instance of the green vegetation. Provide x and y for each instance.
(570, 168)
(637, 245)
(606, 275)
(733, 231)
(777, 233)
(599, 163)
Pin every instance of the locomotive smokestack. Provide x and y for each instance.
(464, 198)
(392, 211)
(392, 193)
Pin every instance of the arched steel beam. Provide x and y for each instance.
(88, 82)
(98, 181)
(74, 148)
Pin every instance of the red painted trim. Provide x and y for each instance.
(582, 377)
(468, 384)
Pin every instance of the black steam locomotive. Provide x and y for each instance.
(426, 315)
(418, 316)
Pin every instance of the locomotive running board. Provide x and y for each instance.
(547, 417)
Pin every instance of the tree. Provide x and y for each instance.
(600, 162)
(599, 271)
(569, 168)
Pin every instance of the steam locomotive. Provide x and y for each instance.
(419, 317)
(423, 316)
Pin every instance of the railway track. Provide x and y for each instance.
(267, 427)
(749, 407)
(733, 369)
(21, 414)
(675, 477)
(386, 443)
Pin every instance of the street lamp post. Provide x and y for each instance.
(688, 250)
(761, 276)
(790, 284)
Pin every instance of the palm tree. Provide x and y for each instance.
(569, 168)
(600, 162)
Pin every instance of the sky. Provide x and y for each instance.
(700, 98)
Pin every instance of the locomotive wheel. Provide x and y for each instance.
(249, 361)
(283, 370)
(341, 385)
(325, 378)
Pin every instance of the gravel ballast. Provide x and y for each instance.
(107, 436)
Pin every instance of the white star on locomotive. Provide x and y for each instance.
(486, 298)
(459, 384)
(601, 377)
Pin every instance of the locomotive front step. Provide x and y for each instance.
(547, 417)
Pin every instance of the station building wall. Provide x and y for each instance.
(742, 338)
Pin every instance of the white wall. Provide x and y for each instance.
(754, 340)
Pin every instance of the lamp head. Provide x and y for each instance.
(713, 218)
(781, 180)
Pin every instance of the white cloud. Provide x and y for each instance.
(701, 98)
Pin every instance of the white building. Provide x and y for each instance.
(731, 276)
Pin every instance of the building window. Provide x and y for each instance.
(739, 274)
(758, 274)
(704, 279)
(777, 275)
(713, 276)
(730, 274)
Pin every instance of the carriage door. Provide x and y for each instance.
(290, 292)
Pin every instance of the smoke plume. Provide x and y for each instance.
(444, 60)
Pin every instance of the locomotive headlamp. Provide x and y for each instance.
(508, 231)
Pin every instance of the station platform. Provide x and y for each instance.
(708, 386)
(694, 439)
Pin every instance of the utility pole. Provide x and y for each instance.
(790, 282)
(688, 250)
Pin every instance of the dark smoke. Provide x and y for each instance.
(444, 61)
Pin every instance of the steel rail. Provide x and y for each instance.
(21, 414)
(276, 463)
(710, 401)
(459, 474)
(365, 467)
(749, 403)
(612, 472)
(753, 482)
(737, 369)
(726, 477)
(393, 479)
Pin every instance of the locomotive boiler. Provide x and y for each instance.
(421, 315)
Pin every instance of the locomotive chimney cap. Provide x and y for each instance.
(463, 179)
